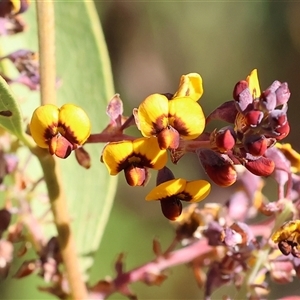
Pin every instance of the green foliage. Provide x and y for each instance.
(84, 78)
(10, 114)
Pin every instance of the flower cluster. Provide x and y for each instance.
(258, 120)
(164, 120)
(174, 123)
(242, 152)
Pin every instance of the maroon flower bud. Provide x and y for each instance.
(136, 176)
(171, 208)
(277, 118)
(261, 167)
(225, 139)
(239, 87)
(168, 138)
(218, 167)
(254, 117)
(256, 145)
(282, 131)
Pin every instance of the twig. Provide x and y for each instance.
(45, 18)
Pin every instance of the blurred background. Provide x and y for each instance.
(151, 44)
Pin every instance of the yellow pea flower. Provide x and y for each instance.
(61, 130)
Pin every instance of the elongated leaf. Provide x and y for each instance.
(83, 68)
(10, 114)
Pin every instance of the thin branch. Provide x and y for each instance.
(45, 18)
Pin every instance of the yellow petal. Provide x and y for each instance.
(167, 189)
(198, 190)
(76, 125)
(148, 147)
(43, 124)
(152, 114)
(116, 153)
(286, 230)
(253, 83)
(190, 85)
(187, 117)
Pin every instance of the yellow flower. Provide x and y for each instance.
(172, 192)
(292, 155)
(253, 84)
(190, 191)
(134, 157)
(60, 130)
(171, 119)
(190, 85)
(288, 238)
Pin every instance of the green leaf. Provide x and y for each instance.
(83, 68)
(83, 64)
(10, 114)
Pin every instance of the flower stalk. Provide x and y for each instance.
(46, 34)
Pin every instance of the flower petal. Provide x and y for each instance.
(190, 85)
(167, 189)
(152, 114)
(187, 117)
(116, 153)
(253, 83)
(75, 123)
(197, 189)
(43, 124)
(149, 149)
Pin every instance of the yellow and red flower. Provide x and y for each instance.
(61, 130)
(172, 192)
(170, 119)
(134, 157)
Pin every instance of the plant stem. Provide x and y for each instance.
(50, 166)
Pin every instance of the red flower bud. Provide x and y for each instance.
(256, 145)
(225, 139)
(283, 131)
(261, 167)
(254, 117)
(220, 170)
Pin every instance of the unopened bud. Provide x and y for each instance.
(220, 170)
(256, 145)
(254, 117)
(261, 167)
(225, 139)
